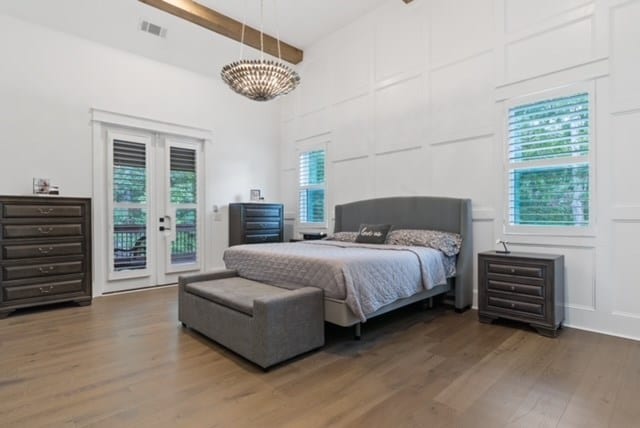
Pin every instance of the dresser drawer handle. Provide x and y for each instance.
(47, 269)
(513, 270)
(45, 250)
(513, 305)
(45, 232)
(45, 290)
(513, 288)
(45, 211)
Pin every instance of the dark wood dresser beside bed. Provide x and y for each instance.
(255, 223)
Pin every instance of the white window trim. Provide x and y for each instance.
(565, 91)
(310, 147)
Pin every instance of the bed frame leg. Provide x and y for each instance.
(430, 303)
(357, 330)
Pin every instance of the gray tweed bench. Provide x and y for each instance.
(263, 323)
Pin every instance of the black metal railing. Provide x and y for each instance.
(130, 246)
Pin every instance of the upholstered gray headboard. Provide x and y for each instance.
(420, 212)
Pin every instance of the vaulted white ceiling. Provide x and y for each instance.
(301, 22)
(115, 23)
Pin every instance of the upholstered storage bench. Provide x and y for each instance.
(263, 323)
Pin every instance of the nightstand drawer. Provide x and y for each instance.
(515, 305)
(262, 212)
(22, 211)
(507, 269)
(261, 225)
(513, 287)
(257, 239)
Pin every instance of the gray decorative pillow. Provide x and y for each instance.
(447, 242)
(373, 233)
(343, 237)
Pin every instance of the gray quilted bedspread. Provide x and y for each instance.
(365, 276)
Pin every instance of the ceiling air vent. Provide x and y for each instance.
(154, 29)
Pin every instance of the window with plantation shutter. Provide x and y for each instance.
(312, 187)
(549, 167)
(130, 206)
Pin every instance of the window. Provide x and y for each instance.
(312, 188)
(549, 167)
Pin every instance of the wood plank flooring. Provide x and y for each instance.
(125, 362)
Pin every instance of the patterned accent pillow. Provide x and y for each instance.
(343, 237)
(373, 233)
(447, 242)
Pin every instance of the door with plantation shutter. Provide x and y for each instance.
(154, 207)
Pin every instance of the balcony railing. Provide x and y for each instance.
(130, 246)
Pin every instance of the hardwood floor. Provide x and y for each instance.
(124, 361)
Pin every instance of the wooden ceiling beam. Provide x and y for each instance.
(228, 27)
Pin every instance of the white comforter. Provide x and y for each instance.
(365, 276)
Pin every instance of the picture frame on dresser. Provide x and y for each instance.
(525, 287)
(45, 251)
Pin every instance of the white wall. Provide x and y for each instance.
(49, 81)
(411, 98)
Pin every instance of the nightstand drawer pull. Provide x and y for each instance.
(530, 271)
(45, 211)
(47, 270)
(45, 290)
(45, 231)
(45, 250)
(531, 308)
(527, 289)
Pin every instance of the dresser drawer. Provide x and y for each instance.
(42, 290)
(11, 252)
(22, 211)
(262, 212)
(262, 225)
(40, 270)
(514, 269)
(514, 287)
(40, 231)
(256, 239)
(515, 305)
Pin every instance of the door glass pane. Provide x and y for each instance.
(129, 238)
(183, 176)
(184, 248)
(129, 172)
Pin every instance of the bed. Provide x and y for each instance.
(320, 263)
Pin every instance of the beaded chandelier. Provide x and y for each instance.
(260, 79)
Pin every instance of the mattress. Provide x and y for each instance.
(365, 276)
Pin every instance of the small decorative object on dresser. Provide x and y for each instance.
(525, 287)
(45, 251)
(254, 223)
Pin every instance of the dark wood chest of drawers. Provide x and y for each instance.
(255, 223)
(45, 251)
(524, 287)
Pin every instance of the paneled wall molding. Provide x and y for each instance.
(549, 244)
(590, 70)
(626, 314)
(390, 152)
(437, 67)
(312, 137)
(483, 214)
(349, 159)
(461, 140)
(626, 213)
(624, 112)
(398, 79)
(567, 18)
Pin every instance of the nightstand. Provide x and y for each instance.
(526, 287)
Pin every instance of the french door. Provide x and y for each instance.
(154, 208)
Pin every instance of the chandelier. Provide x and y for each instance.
(260, 79)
